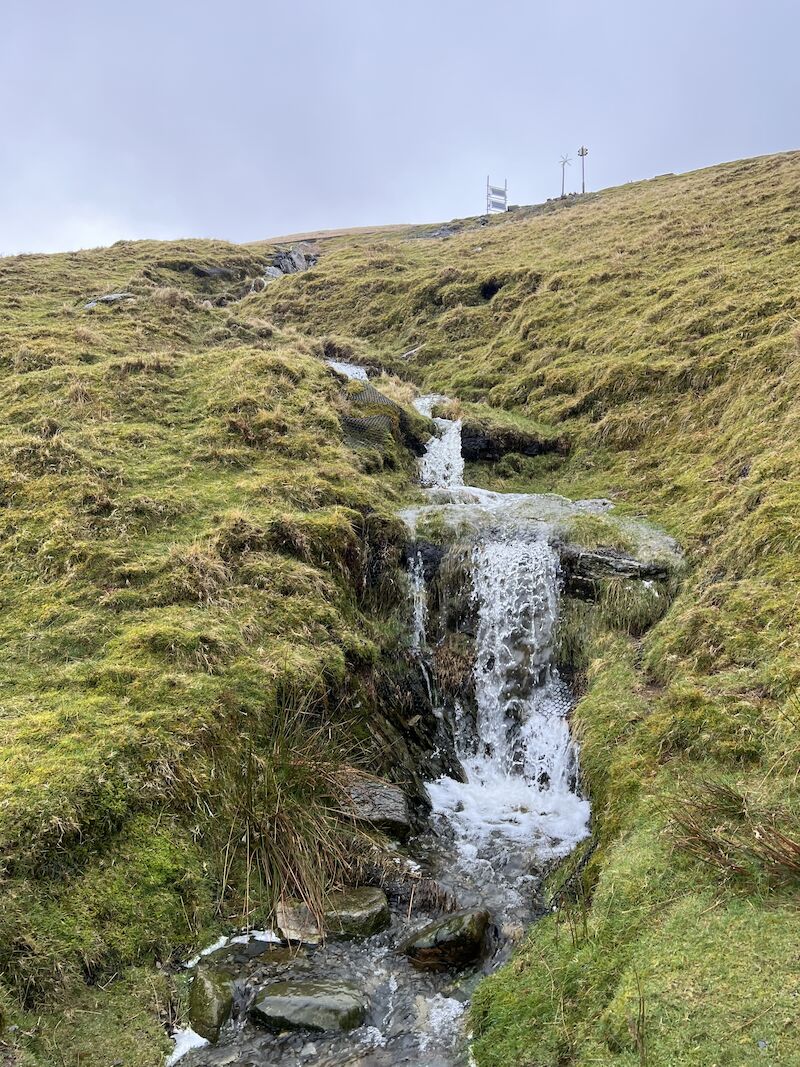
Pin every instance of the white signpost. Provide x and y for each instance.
(496, 197)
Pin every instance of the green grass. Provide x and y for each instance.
(187, 541)
(654, 327)
(187, 535)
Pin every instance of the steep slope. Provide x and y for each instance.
(194, 561)
(654, 326)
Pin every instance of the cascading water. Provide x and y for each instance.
(518, 806)
(419, 600)
(442, 466)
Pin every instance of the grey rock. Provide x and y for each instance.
(349, 913)
(210, 1002)
(592, 564)
(273, 272)
(380, 804)
(358, 912)
(109, 298)
(453, 941)
(314, 1005)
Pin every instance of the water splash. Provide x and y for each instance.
(518, 806)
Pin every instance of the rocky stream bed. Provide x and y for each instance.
(387, 978)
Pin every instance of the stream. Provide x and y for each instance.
(491, 835)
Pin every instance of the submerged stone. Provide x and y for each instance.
(320, 1005)
(210, 1002)
(452, 941)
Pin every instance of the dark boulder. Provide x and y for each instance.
(453, 941)
(488, 442)
(430, 554)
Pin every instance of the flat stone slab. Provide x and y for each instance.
(319, 1005)
(455, 940)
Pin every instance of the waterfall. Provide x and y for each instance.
(419, 600)
(522, 703)
(518, 805)
(442, 466)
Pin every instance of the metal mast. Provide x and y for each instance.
(583, 152)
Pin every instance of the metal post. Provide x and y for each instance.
(583, 152)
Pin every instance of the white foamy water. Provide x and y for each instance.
(519, 804)
(518, 756)
(349, 370)
(442, 466)
(419, 598)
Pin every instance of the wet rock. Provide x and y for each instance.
(109, 298)
(319, 1005)
(381, 804)
(453, 941)
(210, 1002)
(296, 922)
(349, 913)
(240, 954)
(357, 912)
(487, 442)
(430, 554)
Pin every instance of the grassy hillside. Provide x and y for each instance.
(197, 552)
(191, 565)
(655, 328)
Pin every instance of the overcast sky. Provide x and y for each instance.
(247, 119)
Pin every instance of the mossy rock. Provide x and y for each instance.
(358, 912)
(210, 1002)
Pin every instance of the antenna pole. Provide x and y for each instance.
(583, 152)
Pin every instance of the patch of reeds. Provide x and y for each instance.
(725, 827)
